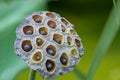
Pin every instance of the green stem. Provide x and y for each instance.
(111, 29)
(79, 74)
(32, 74)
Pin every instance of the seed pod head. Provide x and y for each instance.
(48, 43)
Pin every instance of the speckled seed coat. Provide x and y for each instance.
(48, 43)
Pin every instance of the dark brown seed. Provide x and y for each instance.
(57, 40)
(43, 33)
(50, 65)
(63, 60)
(64, 21)
(37, 20)
(39, 42)
(51, 51)
(78, 43)
(27, 47)
(52, 26)
(29, 32)
(51, 15)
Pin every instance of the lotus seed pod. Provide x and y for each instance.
(48, 43)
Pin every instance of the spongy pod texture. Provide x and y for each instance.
(48, 43)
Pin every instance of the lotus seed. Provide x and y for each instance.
(49, 65)
(29, 32)
(43, 33)
(27, 47)
(51, 51)
(52, 26)
(63, 60)
(37, 20)
(39, 42)
(37, 57)
(57, 40)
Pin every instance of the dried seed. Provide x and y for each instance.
(63, 60)
(27, 47)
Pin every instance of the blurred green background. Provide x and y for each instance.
(98, 29)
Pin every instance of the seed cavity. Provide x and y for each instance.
(51, 15)
(64, 59)
(69, 40)
(43, 31)
(58, 38)
(28, 30)
(39, 42)
(26, 45)
(63, 28)
(37, 18)
(74, 53)
(78, 43)
(51, 50)
(73, 32)
(65, 21)
(52, 24)
(37, 57)
(50, 66)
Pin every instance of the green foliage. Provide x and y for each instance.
(11, 14)
(109, 32)
(32, 75)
